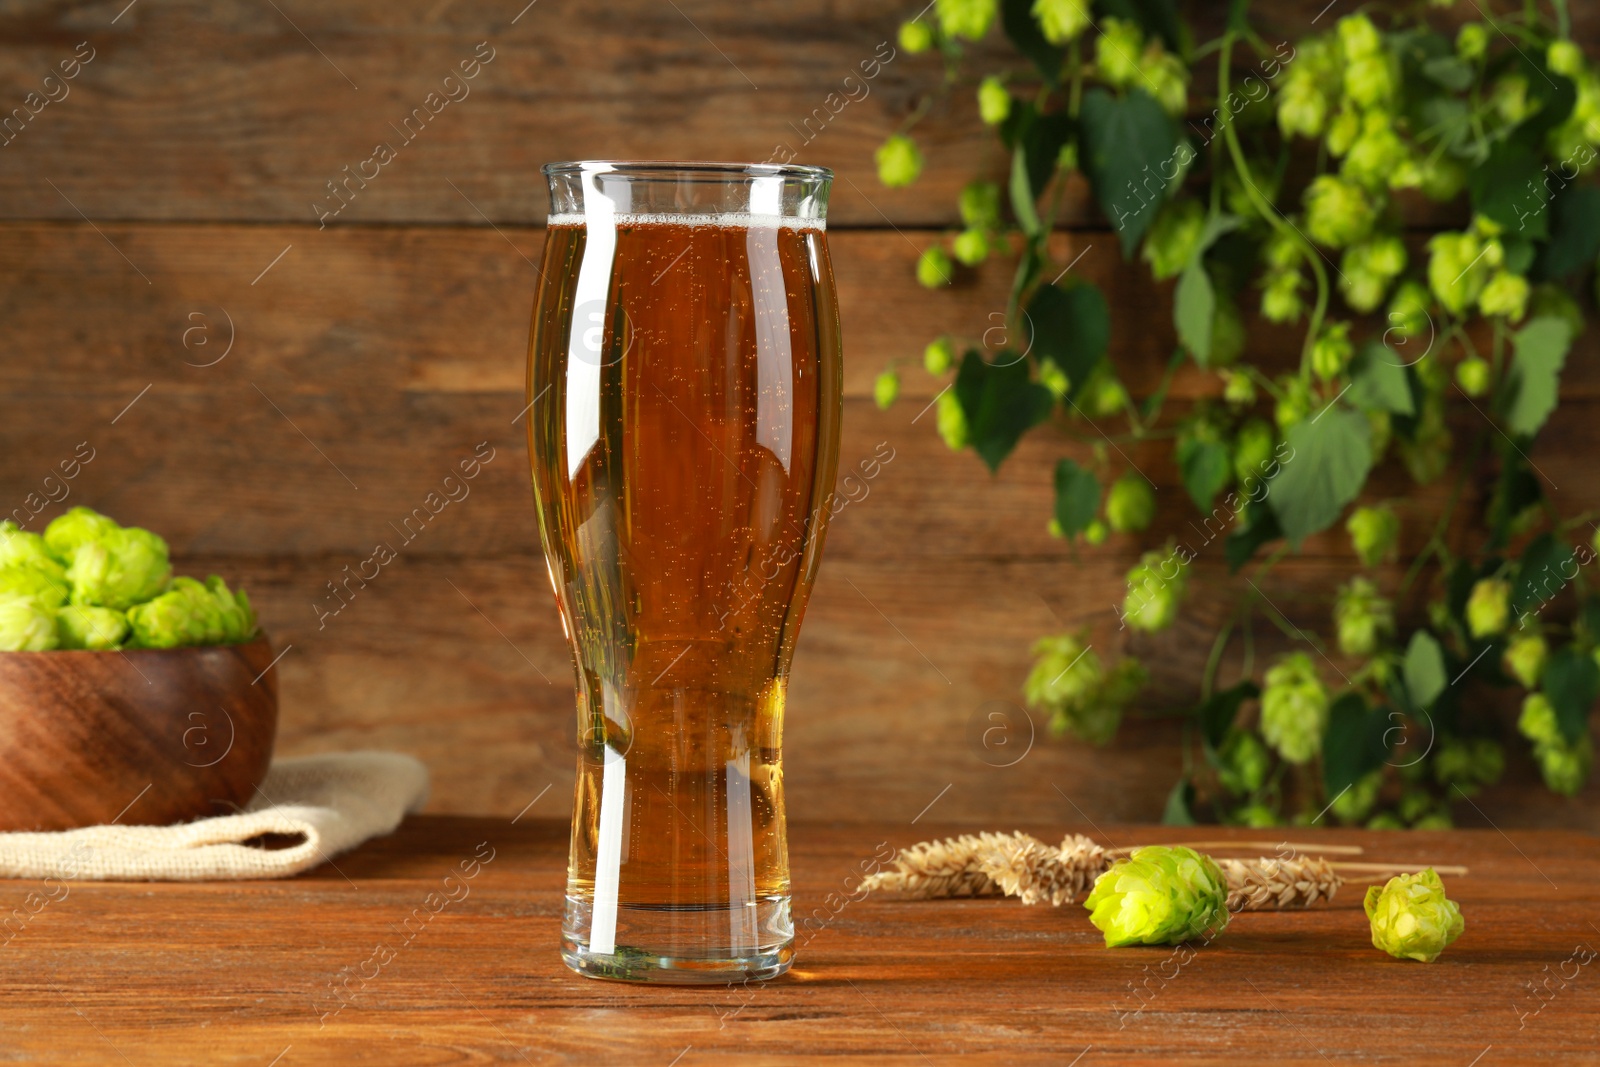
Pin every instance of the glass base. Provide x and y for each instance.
(710, 945)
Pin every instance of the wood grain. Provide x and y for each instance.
(152, 736)
(241, 973)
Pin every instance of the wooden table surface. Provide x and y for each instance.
(459, 973)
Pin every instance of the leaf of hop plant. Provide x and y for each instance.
(1159, 895)
(1412, 918)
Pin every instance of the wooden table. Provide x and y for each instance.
(246, 973)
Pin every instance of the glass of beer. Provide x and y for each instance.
(684, 383)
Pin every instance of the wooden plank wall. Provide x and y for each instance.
(272, 392)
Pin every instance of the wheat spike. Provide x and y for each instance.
(1033, 871)
(952, 867)
(1279, 883)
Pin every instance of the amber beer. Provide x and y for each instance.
(684, 388)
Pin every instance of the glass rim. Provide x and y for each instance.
(669, 168)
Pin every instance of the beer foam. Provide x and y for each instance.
(725, 220)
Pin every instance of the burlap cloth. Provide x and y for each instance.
(332, 803)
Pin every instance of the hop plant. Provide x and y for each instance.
(1160, 895)
(1408, 310)
(1294, 708)
(1563, 765)
(1131, 503)
(899, 161)
(1506, 295)
(1115, 51)
(1156, 585)
(1252, 451)
(80, 626)
(1472, 375)
(26, 625)
(980, 205)
(1238, 390)
(1367, 269)
(994, 101)
(1243, 762)
(971, 247)
(1362, 617)
(1294, 402)
(938, 356)
(1172, 238)
(1457, 270)
(1489, 607)
(1061, 20)
(1053, 378)
(1412, 918)
(1525, 658)
(1338, 212)
(1331, 351)
(886, 389)
(916, 36)
(1472, 40)
(1356, 802)
(1377, 154)
(1374, 533)
(934, 268)
(1070, 681)
(1468, 765)
(1280, 296)
(969, 19)
(952, 421)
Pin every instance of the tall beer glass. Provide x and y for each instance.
(684, 387)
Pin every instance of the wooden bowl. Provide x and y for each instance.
(146, 737)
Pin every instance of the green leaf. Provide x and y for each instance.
(1016, 17)
(1448, 71)
(1077, 497)
(1572, 682)
(1329, 456)
(1574, 233)
(1516, 490)
(1000, 402)
(1022, 200)
(1424, 669)
(1130, 153)
(1070, 327)
(1205, 467)
(1217, 712)
(1242, 545)
(1379, 382)
(1179, 804)
(1541, 573)
(1194, 309)
(1354, 744)
(1541, 348)
(1508, 188)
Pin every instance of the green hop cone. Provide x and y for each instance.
(886, 389)
(1362, 617)
(1156, 585)
(238, 614)
(79, 626)
(1371, 81)
(77, 526)
(186, 614)
(1243, 762)
(1368, 268)
(1565, 768)
(1160, 895)
(1095, 533)
(939, 356)
(1294, 708)
(1472, 40)
(1302, 106)
(1411, 917)
(899, 161)
(971, 247)
(1505, 294)
(952, 421)
(1280, 296)
(916, 36)
(1227, 333)
(1061, 20)
(1358, 37)
(1408, 310)
(970, 19)
(1537, 721)
(1252, 452)
(26, 625)
(1238, 389)
(1117, 51)
(994, 101)
(1343, 131)
(1070, 682)
(1457, 269)
(1525, 658)
(108, 565)
(1564, 57)
(1167, 79)
(1473, 375)
(1294, 402)
(1107, 397)
(934, 268)
(1468, 765)
(980, 205)
(1443, 178)
(50, 591)
(1376, 154)
(1338, 212)
(1131, 504)
(1332, 350)
(1053, 378)
(1257, 816)
(1173, 237)
(1489, 607)
(1374, 533)
(1356, 802)
(19, 548)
